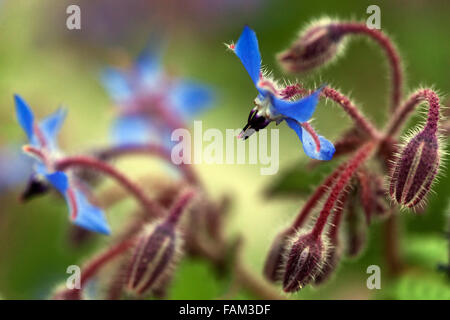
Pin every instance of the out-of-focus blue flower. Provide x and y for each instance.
(270, 105)
(151, 102)
(15, 168)
(44, 149)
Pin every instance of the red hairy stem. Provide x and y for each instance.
(388, 47)
(402, 114)
(360, 120)
(352, 166)
(337, 218)
(315, 198)
(151, 150)
(148, 204)
(92, 268)
(179, 206)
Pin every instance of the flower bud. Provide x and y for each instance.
(274, 260)
(329, 265)
(304, 261)
(415, 169)
(315, 47)
(155, 254)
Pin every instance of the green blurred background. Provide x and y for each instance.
(50, 65)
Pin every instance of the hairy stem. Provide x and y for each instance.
(315, 198)
(360, 120)
(349, 107)
(151, 150)
(148, 204)
(403, 113)
(352, 166)
(388, 47)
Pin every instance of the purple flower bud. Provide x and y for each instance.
(154, 257)
(415, 168)
(274, 261)
(329, 265)
(316, 46)
(157, 250)
(304, 261)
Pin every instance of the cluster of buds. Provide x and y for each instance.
(354, 194)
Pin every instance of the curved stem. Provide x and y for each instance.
(359, 119)
(315, 198)
(152, 150)
(92, 163)
(352, 166)
(386, 44)
(402, 114)
(92, 268)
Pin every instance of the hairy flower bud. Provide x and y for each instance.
(329, 266)
(415, 169)
(157, 250)
(274, 260)
(304, 261)
(154, 257)
(316, 46)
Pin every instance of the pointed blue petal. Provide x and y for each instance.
(247, 50)
(59, 180)
(190, 98)
(131, 129)
(24, 116)
(327, 149)
(51, 125)
(116, 83)
(89, 216)
(148, 66)
(300, 110)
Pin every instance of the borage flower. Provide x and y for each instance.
(43, 148)
(152, 102)
(273, 104)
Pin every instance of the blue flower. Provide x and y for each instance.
(151, 102)
(270, 105)
(43, 148)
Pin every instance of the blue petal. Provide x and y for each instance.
(131, 129)
(300, 110)
(148, 65)
(89, 216)
(116, 83)
(248, 52)
(51, 125)
(59, 180)
(24, 116)
(327, 149)
(190, 97)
